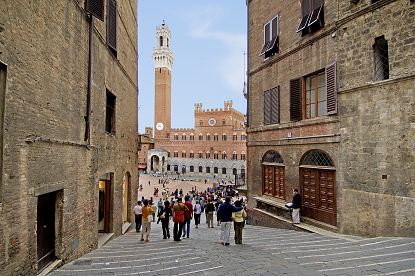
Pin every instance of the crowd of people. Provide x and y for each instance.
(212, 200)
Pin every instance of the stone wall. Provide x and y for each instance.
(45, 48)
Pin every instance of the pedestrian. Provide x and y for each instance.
(225, 213)
(188, 215)
(217, 204)
(178, 218)
(210, 208)
(296, 205)
(138, 216)
(146, 220)
(159, 206)
(154, 207)
(164, 217)
(198, 211)
(238, 222)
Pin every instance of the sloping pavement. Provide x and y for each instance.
(266, 251)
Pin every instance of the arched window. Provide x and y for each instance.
(200, 169)
(192, 137)
(168, 154)
(234, 156)
(215, 137)
(200, 154)
(224, 137)
(192, 169)
(224, 155)
(161, 41)
(183, 154)
(215, 155)
(243, 157)
(176, 137)
(234, 137)
(273, 175)
(208, 137)
(207, 169)
(168, 168)
(176, 154)
(215, 170)
(234, 171)
(207, 155)
(318, 186)
(200, 137)
(223, 170)
(317, 158)
(184, 136)
(243, 137)
(192, 155)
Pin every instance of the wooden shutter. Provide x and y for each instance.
(275, 105)
(331, 86)
(274, 24)
(96, 8)
(267, 107)
(112, 24)
(295, 100)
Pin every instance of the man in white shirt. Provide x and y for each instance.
(138, 214)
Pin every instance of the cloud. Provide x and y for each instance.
(230, 68)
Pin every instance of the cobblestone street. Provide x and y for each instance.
(266, 251)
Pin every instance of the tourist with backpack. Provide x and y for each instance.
(178, 218)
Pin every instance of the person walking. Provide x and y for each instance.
(178, 218)
(217, 204)
(137, 213)
(146, 220)
(159, 205)
(210, 208)
(188, 215)
(225, 213)
(164, 217)
(296, 205)
(238, 222)
(154, 207)
(198, 211)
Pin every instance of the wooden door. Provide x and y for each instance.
(318, 194)
(45, 230)
(279, 182)
(268, 180)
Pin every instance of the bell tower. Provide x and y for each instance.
(163, 61)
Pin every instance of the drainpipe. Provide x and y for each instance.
(89, 89)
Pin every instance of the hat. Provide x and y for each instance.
(179, 199)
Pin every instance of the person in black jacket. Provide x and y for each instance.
(296, 206)
(164, 216)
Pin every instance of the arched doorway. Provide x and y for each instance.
(155, 163)
(318, 187)
(273, 175)
(126, 198)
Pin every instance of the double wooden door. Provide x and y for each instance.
(273, 180)
(318, 191)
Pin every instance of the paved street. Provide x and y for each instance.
(266, 251)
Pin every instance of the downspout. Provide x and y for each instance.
(89, 89)
(247, 61)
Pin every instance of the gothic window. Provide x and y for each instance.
(215, 155)
(243, 157)
(176, 137)
(207, 155)
(192, 155)
(168, 154)
(184, 154)
(184, 136)
(176, 154)
(200, 137)
(215, 137)
(243, 137)
(208, 137)
(234, 137)
(207, 169)
(192, 168)
(223, 170)
(200, 154)
(200, 123)
(234, 156)
(192, 137)
(200, 169)
(224, 155)
(224, 137)
(215, 170)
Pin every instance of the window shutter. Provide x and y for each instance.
(331, 86)
(96, 8)
(267, 107)
(275, 105)
(112, 24)
(295, 100)
(274, 27)
(267, 33)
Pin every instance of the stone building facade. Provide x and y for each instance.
(145, 144)
(331, 112)
(215, 147)
(68, 163)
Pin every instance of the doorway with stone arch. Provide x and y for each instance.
(318, 187)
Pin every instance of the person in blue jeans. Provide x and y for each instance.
(188, 215)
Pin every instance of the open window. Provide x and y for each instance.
(271, 38)
(312, 16)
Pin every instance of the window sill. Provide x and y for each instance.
(288, 125)
(111, 134)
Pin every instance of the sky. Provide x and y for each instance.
(208, 41)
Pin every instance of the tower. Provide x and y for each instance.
(163, 61)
